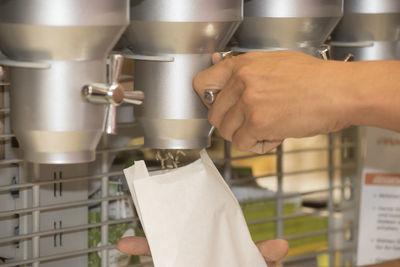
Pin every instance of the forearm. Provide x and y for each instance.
(371, 93)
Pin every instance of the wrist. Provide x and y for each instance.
(345, 93)
(374, 89)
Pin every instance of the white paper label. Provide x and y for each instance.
(379, 226)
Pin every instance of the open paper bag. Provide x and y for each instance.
(191, 218)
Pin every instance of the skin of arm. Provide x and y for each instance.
(267, 97)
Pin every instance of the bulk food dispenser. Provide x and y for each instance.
(301, 25)
(369, 30)
(171, 41)
(53, 49)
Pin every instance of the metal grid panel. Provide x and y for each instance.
(339, 149)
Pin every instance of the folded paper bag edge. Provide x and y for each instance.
(208, 162)
(136, 172)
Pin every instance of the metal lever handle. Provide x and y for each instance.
(99, 93)
(116, 63)
(112, 94)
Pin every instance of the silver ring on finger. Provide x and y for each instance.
(210, 95)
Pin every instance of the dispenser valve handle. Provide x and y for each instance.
(112, 94)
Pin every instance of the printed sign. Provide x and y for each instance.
(379, 226)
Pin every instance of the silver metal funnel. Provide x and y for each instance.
(54, 48)
(301, 25)
(370, 30)
(172, 41)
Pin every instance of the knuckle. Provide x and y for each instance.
(237, 143)
(212, 119)
(256, 121)
(225, 133)
(243, 73)
(248, 97)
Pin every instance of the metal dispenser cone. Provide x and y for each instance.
(369, 30)
(54, 49)
(171, 41)
(301, 25)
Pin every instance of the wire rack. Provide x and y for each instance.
(44, 218)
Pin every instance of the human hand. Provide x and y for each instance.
(266, 97)
(273, 251)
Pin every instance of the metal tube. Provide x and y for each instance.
(104, 203)
(227, 161)
(58, 256)
(313, 255)
(23, 218)
(61, 206)
(66, 230)
(279, 193)
(10, 161)
(36, 216)
(331, 164)
(271, 175)
(118, 149)
(4, 136)
(315, 233)
(349, 145)
(65, 180)
(295, 215)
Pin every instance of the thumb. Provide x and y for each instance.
(217, 57)
(134, 245)
(273, 251)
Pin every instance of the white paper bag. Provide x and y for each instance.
(191, 218)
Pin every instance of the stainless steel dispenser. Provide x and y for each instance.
(301, 25)
(171, 41)
(54, 49)
(370, 30)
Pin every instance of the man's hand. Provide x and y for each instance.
(266, 97)
(273, 251)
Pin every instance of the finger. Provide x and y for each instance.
(217, 57)
(243, 140)
(214, 77)
(226, 99)
(134, 245)
(265, 146)
(232, 121)
(273, 251)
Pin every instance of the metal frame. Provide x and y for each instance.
(29, 217)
